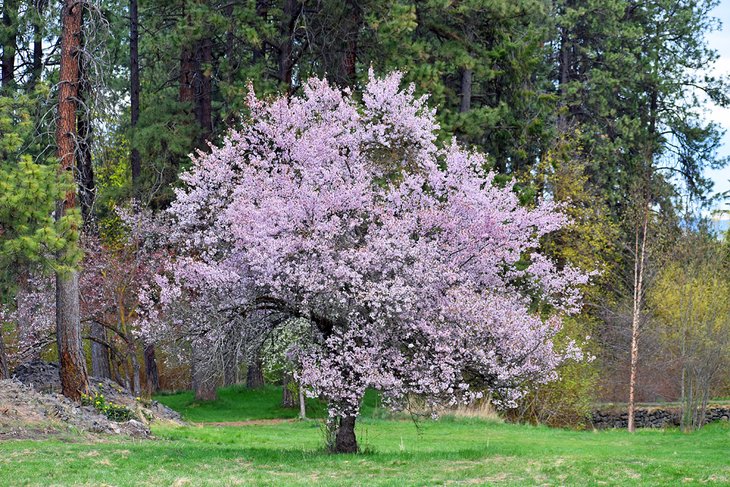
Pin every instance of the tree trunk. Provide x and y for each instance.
(72, 370)
(40, 7)
(9, 43)
(254, 375)
(151, 372)
(205, 97)
(74, 379)
(348, 63)
(135, 161)
(136, 369)
(85, 173)
(230, 362)
(302, 403)
(345, 441)
(466, 84)
(287, 398)
(4, 373)
(203, 381)
(639, 255)
(99, 352)
(291, 11)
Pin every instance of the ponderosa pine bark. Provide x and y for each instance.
(73, 374)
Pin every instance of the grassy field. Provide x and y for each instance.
(451, 451)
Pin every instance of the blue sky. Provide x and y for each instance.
(720, 41)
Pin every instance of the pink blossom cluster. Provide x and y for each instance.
(417, 273)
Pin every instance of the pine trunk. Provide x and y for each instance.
(466, 89)
(72, 370)
(40, 6)
(9, 42)
(74, 379)
(135, 160)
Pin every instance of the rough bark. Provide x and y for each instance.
(203, 381)
(230, 363)
(40, 7)
(345, 441)
(151, 372)
(254, 375)
(99, 352)
(135, 160)
(74, 378)
(72, 370)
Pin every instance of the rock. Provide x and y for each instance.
(27, 413)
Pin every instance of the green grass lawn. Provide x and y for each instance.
(446, 452)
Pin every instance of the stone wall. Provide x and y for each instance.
(652, 418)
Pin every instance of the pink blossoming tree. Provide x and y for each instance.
(418, 275)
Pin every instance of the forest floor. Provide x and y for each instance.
(450, 451)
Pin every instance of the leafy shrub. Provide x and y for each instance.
(115, 412)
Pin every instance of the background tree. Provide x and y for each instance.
(691, 299)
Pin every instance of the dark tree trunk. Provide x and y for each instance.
(135, 161)
(74, 379)
(564, 69)
(85, 174)
(262, 12)
(4, 373)
(254, 375)
(466, 84)
(203, 381)
(287, 398)
(99, 352)
(151, 372)
(204, 107)
(188, 70)
(40, 7)
(292, 9)
(345, 441)
(348, 62)
(9, 42)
